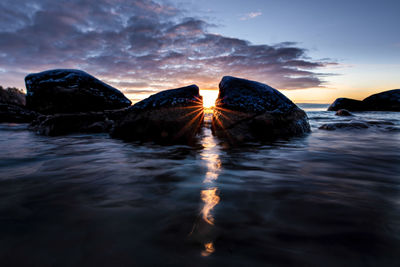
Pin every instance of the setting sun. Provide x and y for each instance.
(209, 97)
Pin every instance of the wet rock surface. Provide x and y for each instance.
(248, 110)
(69, 91)
(344, 125)
(62, 124)
(171, 116)
(384, 101)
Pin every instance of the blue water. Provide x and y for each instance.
(331, 198)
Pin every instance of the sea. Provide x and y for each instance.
(329, 198)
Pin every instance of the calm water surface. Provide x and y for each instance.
(331, 198)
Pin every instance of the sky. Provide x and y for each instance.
(312, 50)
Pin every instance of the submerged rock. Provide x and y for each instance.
(171, 116)
(384, 101)
(348, 104)
(62, 124)
(68, 91)
(355, 125)
(248, 110)
(343, 112)
(344, 125)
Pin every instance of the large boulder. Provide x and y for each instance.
(68, 91)
(348, 104)
(171, 116)
(384, 101)
(248, 110)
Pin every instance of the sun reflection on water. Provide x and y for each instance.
(210, 199)
(208, 249)
(209, 195)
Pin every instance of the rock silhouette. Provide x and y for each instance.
(384, 101)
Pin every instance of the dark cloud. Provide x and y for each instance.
(139, 44)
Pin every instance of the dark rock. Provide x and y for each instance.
(12, 106)
(347, 103)
(12, 96)
(380, 122)
(116, 114)
(344, 125)
(69, 91)
(358, 124)
(171, 116)
(16, 113)
(248, 110)
(343, 112)
(61, 124)
(385, 101)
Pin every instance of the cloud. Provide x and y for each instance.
(139, 45)
(251, 15)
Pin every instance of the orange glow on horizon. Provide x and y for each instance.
(308, 95)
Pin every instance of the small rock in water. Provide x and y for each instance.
(248, 110)
(343, 112)
(171, 116)
(68, 91)
(344, 125)
(358, 124)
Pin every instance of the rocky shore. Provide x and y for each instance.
(63, 101)
(12, 106)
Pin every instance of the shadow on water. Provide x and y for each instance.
(327, 199)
